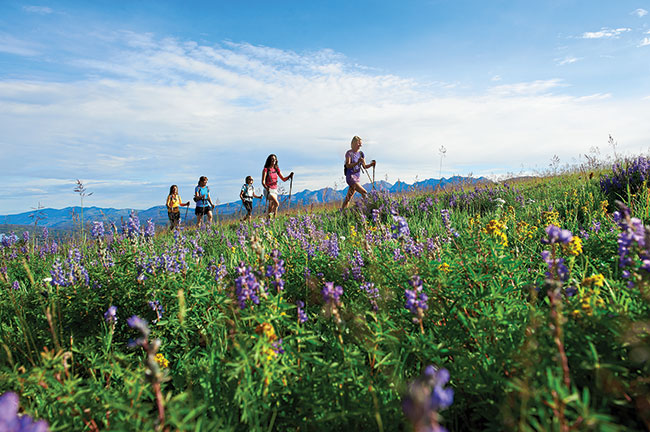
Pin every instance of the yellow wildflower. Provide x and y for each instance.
(161, 360)
(551, 217)
(443, 267)
(603, 207)
(495, 228)
(595, 280)
(574, 247)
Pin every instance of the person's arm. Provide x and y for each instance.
(209, 199)
(348, 161)
(371, 164)
(283, 177)
(197, 193)
(169, 207)
(264, 172)
(182, 204)
(241, 194)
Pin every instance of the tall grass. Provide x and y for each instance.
(537, 333)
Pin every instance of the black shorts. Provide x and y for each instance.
(174, 217)
(248, 205)
(200, 211)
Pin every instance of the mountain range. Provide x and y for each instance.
(69, 217)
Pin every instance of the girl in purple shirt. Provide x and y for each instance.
(354, 160)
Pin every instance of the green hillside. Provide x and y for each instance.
(533, 295)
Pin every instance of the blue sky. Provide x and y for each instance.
(132, 96)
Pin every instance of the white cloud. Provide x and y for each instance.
(11, 45)
(41, 10)
(567, 60)
(527, 88)
(167, 111)
(605, 32)
(644, 42)
(640, 12)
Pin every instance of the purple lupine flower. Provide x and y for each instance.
(15, 285)
(631, 239)
(375, 215)
(45, 234)
(356, 265)
(58, 274)
(302, 315)
(132, 227)
(332, 246)
(446, 221)
(425, 397)
(9, 240)
(247, 287)
(220, 270)
(158, 309)
(556, 235)
(416, 299)
(557, 264)
(332, 294)
(595, 227)
(26, 236)
(110, 316)
(372, 293)
(398, 256)
(10, 421)
(98, 230)
(277, 346)
(139, 324)
(276, 270)
(401, 227)
(150, 229)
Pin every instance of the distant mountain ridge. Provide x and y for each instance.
(68, 217)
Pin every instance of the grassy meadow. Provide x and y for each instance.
(530, 299)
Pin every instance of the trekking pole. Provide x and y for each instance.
(290, 187)
(368, 174)
(186, 210)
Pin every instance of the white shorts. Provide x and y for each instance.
(272, 192)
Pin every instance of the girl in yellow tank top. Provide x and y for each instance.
(173, 204)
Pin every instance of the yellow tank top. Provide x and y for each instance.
(173, 202)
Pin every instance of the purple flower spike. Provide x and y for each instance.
(302, 315)
(557, 235)
(426, 396)
(110, 315)
(10, 421)
(139, 324)
(332, 294)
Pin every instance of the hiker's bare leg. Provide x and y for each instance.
(198, 220)
(209, 217)
(273, 205)
(351, 190)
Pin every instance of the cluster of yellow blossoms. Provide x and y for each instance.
(444, 267)
(161, 360)
(589, 293)
(551, 217)
(267, 330)
(574, 247)
(496, 229)
(525, 231)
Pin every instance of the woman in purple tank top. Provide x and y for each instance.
(354, 160)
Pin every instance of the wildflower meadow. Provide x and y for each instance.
(521, 305)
